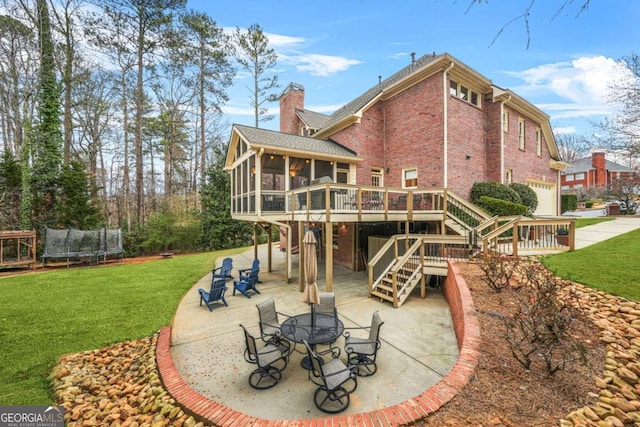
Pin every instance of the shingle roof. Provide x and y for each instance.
(285, 141)
(355, 105)
(312, 119)
(586, 164)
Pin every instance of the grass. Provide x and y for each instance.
(583, 222)
(45, 315)
(611, 266)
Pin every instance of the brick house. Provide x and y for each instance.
(435, 126)
(593, 171)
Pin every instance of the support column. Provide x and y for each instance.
(300, 256)
(255, 241)
(270, 247)
(328, 256)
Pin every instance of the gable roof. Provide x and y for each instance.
(361, 101)
(274, 141)
(422, 68)
(586, 164)
(312, 119)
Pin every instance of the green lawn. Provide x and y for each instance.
(47, 314)
(583, 222)
(611, 266)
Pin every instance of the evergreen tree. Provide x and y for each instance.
(219, 231)
(74, 207)
(10, 186)
(256, 57)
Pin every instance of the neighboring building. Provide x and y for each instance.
(594, 171)
(393, 155)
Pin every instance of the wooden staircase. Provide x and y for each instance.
(407, 276)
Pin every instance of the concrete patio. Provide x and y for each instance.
(419, 345)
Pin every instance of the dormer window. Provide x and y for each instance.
(463, 92)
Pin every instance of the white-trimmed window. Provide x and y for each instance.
(376, 177)
(410, 178)
(521, 141)
(342, 173)
(569, 177)
(505, 121)
(538, 142)
(460, 91)
(580, 176)
(508, 176)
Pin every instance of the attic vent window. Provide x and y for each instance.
(460, 91)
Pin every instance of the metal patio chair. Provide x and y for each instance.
(335, 382)
(362, 352)
(269, 359)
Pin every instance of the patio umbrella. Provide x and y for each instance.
(311, 294)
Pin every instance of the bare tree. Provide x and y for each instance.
(206, 48)
(573, 147)
(17, 84)
(524, 17)
(64, 20)
(145, 21)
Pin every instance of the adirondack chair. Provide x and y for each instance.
(224, 271)
(215, 294)
(246, 284)
(244, 273)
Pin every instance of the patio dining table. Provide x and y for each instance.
(315, 329)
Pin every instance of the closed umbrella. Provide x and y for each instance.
(311, 294)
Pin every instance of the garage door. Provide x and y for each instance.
(547, 198)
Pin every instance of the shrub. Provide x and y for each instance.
(568, 202)
(495, 190)
(497, 271)
(538, 332)
(501, 207)
(528, 197)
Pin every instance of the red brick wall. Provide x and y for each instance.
(493, 121)
(466, 138)
(526, 164)
(598, 162)
(291, 99)
(345, 253)
(414, 133)
(407, 131)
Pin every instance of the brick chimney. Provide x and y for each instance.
(599, 163)
(291, 99)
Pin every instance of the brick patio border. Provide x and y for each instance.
(467, 331)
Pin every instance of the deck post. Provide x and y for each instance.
(328, 248)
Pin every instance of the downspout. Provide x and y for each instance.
(445, 133)
(502, 177)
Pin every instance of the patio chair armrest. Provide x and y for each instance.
(347, 334)
(244, 271)
(349, 347)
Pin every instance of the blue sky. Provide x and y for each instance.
(337, 49)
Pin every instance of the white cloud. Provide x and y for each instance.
(319, 65)
(278, 41)
(564, 130)
(585, 83)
